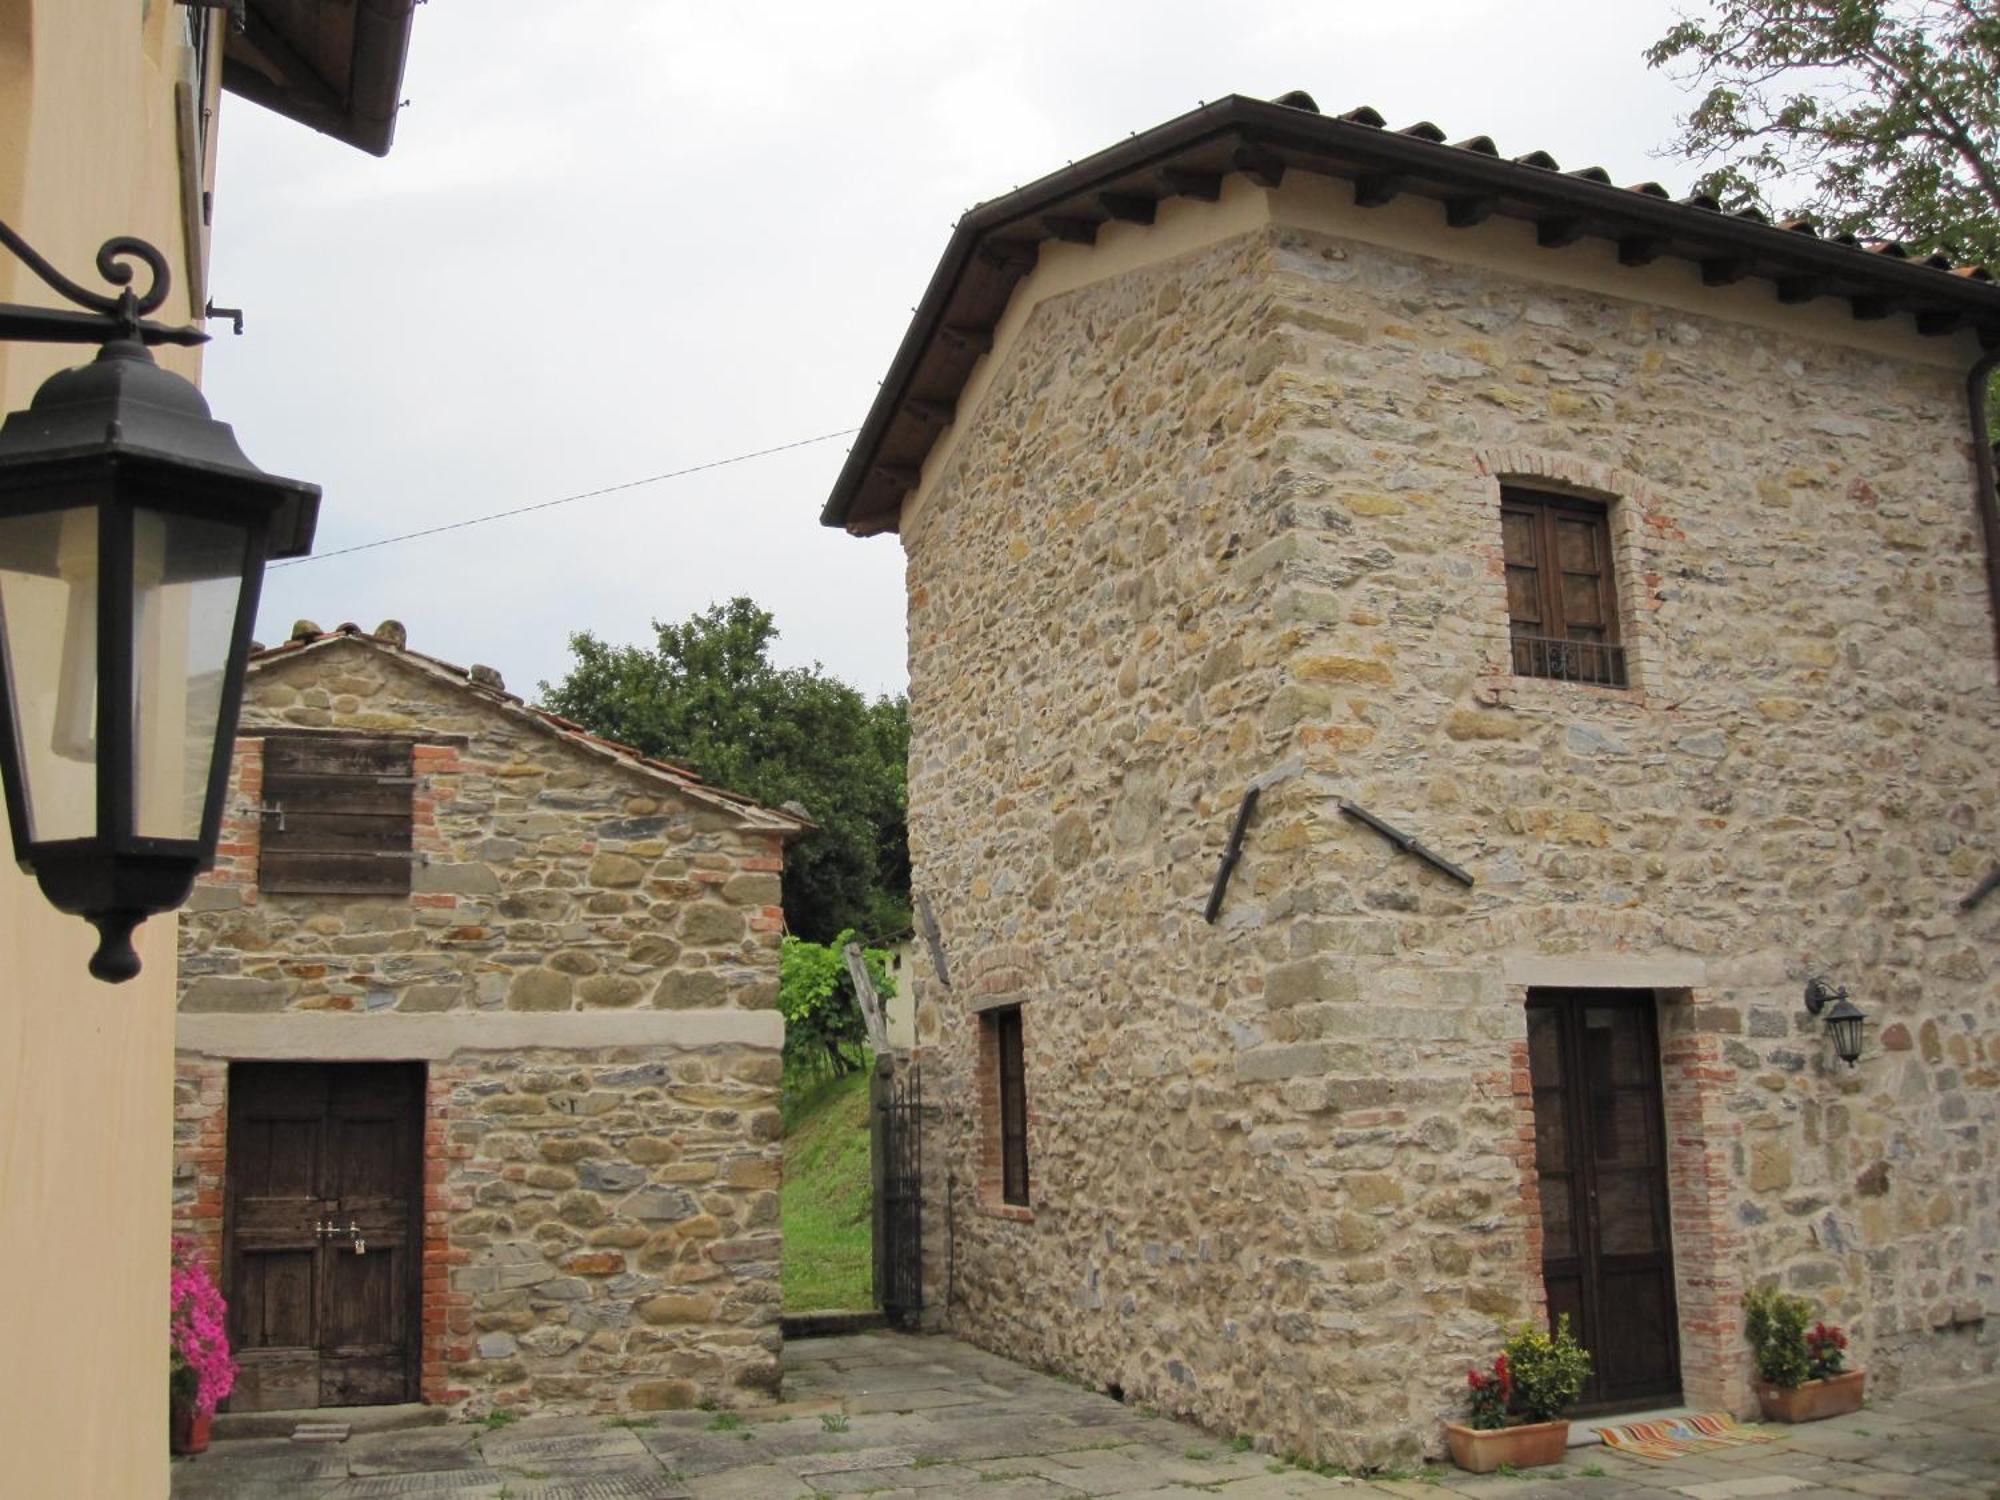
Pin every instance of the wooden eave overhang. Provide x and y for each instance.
(995, 245)
(336, 65)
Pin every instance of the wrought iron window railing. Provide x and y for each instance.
(1597, 662)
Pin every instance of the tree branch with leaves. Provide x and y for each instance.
(1878, 118)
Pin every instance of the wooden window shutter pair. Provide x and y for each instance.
(337, 815)
(1562, 605)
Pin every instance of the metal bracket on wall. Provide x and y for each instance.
(1981, 891)
(932, 938)
(1231, 854)
(1404, 842)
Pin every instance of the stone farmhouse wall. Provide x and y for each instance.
(1236, 515)
(587, 962)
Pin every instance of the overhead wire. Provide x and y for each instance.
(609, 489)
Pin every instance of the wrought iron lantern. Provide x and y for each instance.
(1843, 1018)
(133, 539)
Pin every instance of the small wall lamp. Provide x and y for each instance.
(133, 538)
(1843, 1019)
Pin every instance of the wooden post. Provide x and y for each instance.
(871, 1003)
(879, 1095)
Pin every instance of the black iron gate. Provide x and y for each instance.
(897, 1096)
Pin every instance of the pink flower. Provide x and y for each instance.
(198, 1326)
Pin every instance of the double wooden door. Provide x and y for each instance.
(322, 1232)
(1600, 1152)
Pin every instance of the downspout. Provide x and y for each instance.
(1987, 498)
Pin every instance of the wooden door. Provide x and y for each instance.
(1600, 1153)
(322, 1232)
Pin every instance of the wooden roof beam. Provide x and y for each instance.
(1016, 257)
(1464, 212)
(1558, 230)
(1074, 230)
(1373, 189)
(1128, 208)
(932, 413)
(1724, 270)
(1640, 249)
(964, 336)
(1188, 183)
(1796, 289)
(1263, 167)
(1932, 323)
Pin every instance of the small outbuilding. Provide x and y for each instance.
(478, 1053)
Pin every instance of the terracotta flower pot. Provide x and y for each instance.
(1835, 1396)
(1481, 1450)
(187, 1430)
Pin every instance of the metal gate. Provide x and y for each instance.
(897, 1096)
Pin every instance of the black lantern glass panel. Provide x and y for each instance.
(48, 629)
(187, 576)
(1843, 1024)
(133, 538)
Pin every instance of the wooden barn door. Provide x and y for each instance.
(322, 1237)
(1600, 1152)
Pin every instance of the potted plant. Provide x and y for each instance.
(1517, 1408)
(200, 1371)
(1801, 1373)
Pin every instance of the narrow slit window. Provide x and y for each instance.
(1013, 1109)
(1562, 603)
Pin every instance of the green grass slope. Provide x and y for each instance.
(825, 1202)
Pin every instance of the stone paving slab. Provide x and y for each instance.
(890, 1415)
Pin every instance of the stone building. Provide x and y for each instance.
(478, 1054)
(1633, 558)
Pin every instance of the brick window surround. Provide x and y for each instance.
(992, 1197)
(1643, 534)
(1696, 1079)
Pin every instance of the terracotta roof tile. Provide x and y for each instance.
(567, 729)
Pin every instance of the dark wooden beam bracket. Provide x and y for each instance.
(1640, 249)
(1724, 270)
(1556, 232)
(1464, 212)
(1131, 208)
(1075, 231)
(1933, 323)
(1188, 183)
(1373, 189)
(1009, 255)
(1263, 167)
(977, 340)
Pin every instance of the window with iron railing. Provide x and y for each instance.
(1562, 604)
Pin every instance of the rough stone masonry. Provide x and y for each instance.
(587, 963)
(1234, 502)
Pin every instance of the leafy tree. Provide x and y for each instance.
(824, 1031)
(707, 695)
(1877, 117)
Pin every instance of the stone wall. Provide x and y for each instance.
(587, 962)
(1237, 515)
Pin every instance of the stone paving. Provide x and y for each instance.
(895, 1416)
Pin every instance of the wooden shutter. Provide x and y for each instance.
(1013, 1109)
(337, 815)
(1561, 604)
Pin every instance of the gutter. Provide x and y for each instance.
(1986, 497)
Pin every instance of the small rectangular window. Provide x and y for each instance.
(337, 815)
(1562, 605)
(1013, 1108)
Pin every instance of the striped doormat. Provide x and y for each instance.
(1674, 1436)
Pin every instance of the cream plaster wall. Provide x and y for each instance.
(88, 149)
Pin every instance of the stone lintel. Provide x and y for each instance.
(345, 1037)
(980, 1004)
(1621, 971)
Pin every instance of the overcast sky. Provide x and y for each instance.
(621, 237)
